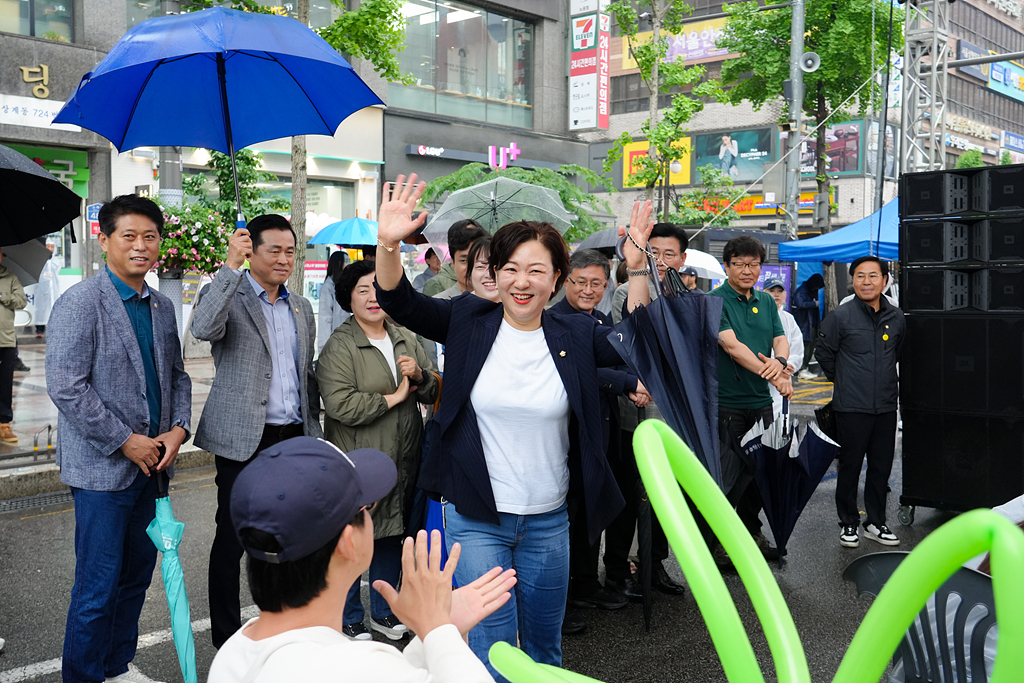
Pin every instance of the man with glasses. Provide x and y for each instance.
(589, 272)
(668, 244)
(859, 346)
(750, 330)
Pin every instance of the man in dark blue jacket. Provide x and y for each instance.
(859, 346)
(589, 272)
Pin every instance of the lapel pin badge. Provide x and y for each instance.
(562, 354)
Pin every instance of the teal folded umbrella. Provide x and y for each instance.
(165, 531)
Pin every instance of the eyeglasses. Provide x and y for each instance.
(594, 285)
(873, 277)
(739, 265)
(658, 254)
(370, 507)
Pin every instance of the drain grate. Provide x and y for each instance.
(42, 500)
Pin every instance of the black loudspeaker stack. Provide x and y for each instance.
(962, 374)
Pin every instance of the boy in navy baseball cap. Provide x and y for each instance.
(299, 510)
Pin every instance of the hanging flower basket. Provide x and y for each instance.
(195, 239)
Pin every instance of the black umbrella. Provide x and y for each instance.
(602, 239)
(33, 202)
(672, 346)
(785, 483)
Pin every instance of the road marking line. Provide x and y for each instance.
(52, 666)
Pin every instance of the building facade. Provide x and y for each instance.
(485, 77)
(46, 48)
(985, 112)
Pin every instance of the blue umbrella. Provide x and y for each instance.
(165, 531)
(352, 232)
(220, 79)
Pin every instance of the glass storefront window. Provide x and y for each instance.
(51, 19)
(140, 10)
(467, 63)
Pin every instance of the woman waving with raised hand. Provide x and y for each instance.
(520, 415)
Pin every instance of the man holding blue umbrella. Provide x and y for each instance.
(114, 370)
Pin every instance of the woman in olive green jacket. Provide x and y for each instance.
(372, 376)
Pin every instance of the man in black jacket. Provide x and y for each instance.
(859, 346)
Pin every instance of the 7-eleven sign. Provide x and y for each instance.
(584, 32)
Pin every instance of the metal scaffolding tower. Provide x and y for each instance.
(925, 62)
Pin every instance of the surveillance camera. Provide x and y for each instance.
(644, 15)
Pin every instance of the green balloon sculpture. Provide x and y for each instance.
(663, 459)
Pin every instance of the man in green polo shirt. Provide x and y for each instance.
(750, 330)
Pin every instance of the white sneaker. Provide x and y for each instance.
(806, 374)
(132, 675)
(881, 534)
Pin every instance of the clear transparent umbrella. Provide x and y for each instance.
(494, 203)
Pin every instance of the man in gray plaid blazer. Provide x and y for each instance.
(263, 338)
(115, 373)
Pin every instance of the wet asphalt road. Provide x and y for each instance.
(37, 565)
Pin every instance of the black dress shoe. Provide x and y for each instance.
(628, 587)
(602, 599)
(663, 583)
(573, 624)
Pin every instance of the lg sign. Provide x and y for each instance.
(430, 151)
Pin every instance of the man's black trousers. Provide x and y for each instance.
(863, 434)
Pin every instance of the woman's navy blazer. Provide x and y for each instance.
(468, 325)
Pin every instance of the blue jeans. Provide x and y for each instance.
(537, 547)
(386, 566)
(113, 568)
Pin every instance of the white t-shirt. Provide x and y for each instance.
(322, 655)
(387, 349)
(796, 353)
(522, 411)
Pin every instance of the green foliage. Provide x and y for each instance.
(838, 30)
(195, 239)
(1005, 159)
(560, 180)
(375, 32)
(699, 205)
(241, 5)
(970, 159)
(255, 201)
(665, 128)
(53, 35)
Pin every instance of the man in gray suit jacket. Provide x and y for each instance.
(115, 373)
(263, 338)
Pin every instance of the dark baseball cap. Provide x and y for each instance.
(688, 270)
(770, 282)
(304, 491)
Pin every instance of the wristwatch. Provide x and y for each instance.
(785, 362)
(646, 270)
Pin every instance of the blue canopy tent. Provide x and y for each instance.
(862, 238)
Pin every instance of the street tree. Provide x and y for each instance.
(663, 127)
(255, 200)
(575, 199)
(970, 159)
(852, 41)
(1005, 159)
(709, 203)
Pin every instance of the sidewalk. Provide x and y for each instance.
(34, 472)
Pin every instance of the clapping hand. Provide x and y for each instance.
(409, 368)
(394, 219)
